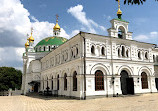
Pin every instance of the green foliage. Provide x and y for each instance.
(10, 78)
(134, 1)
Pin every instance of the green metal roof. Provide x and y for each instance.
(52, 41)
(121, 20)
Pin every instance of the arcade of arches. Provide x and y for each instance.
(126, 82)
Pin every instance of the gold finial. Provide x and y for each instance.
(27, 36)
(56, 27)
(31, 39)
(27, 43)
(57, 17)
(31, 30)
(119, 12)
(118, 3)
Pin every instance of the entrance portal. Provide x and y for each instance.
(36, 87)
(156, 81)
(127, 84)
(130, 85)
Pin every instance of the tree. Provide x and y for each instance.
(134, 1)
(10, 78)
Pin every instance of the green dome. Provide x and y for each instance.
(52, 41)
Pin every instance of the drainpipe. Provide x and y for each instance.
(150, 83)
(84, 63)
(112, 69)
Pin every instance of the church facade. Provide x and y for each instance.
(91, 65)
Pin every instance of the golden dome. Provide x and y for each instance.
(26, 44)
(119, 12)
(31, 39)
(56, 27)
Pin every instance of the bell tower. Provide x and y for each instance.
(119, 27)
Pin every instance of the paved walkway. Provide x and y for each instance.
(145, 102)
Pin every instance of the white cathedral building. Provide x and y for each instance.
(89, 65)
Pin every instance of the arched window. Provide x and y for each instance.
(146, 55)
(144, 79)
(119, 52)
(99, 80)
(44, 48)
(76, 51)
(52, 82)
(66, 56)
(120, 34)
(49, 48)
(58, 82)
(123, 51)
(127, 53)
(103, 51)
(65, 81)
(75, 81)
(72, 53)
(139, 55)
(156, 58)
(153, 58)
(92, 50)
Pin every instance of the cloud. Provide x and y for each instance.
(141, 38)
(80, 15)
(154, 34)
(107, 17)
(34, 19)
(74, 32)
(15, 23)
(152, 37)
(11, 56)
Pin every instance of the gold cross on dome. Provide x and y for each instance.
(118, 3)
(27, 35)
(31, 30)
(57, 16)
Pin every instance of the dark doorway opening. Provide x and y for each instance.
(156, 81)
(127, 84)
(130, 85)
(36, 87)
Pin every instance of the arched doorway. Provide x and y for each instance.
(144, 79)
(58, 82)
(36, 87)
(99, 80)
(127, 84)
(75, 81)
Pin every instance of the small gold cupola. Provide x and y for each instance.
(119, 12)
(31, 39)
(56, 29)
(27, 44)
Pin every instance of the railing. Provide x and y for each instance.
(49, 93)
(4, 93)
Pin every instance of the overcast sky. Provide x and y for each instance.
(18, 16)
